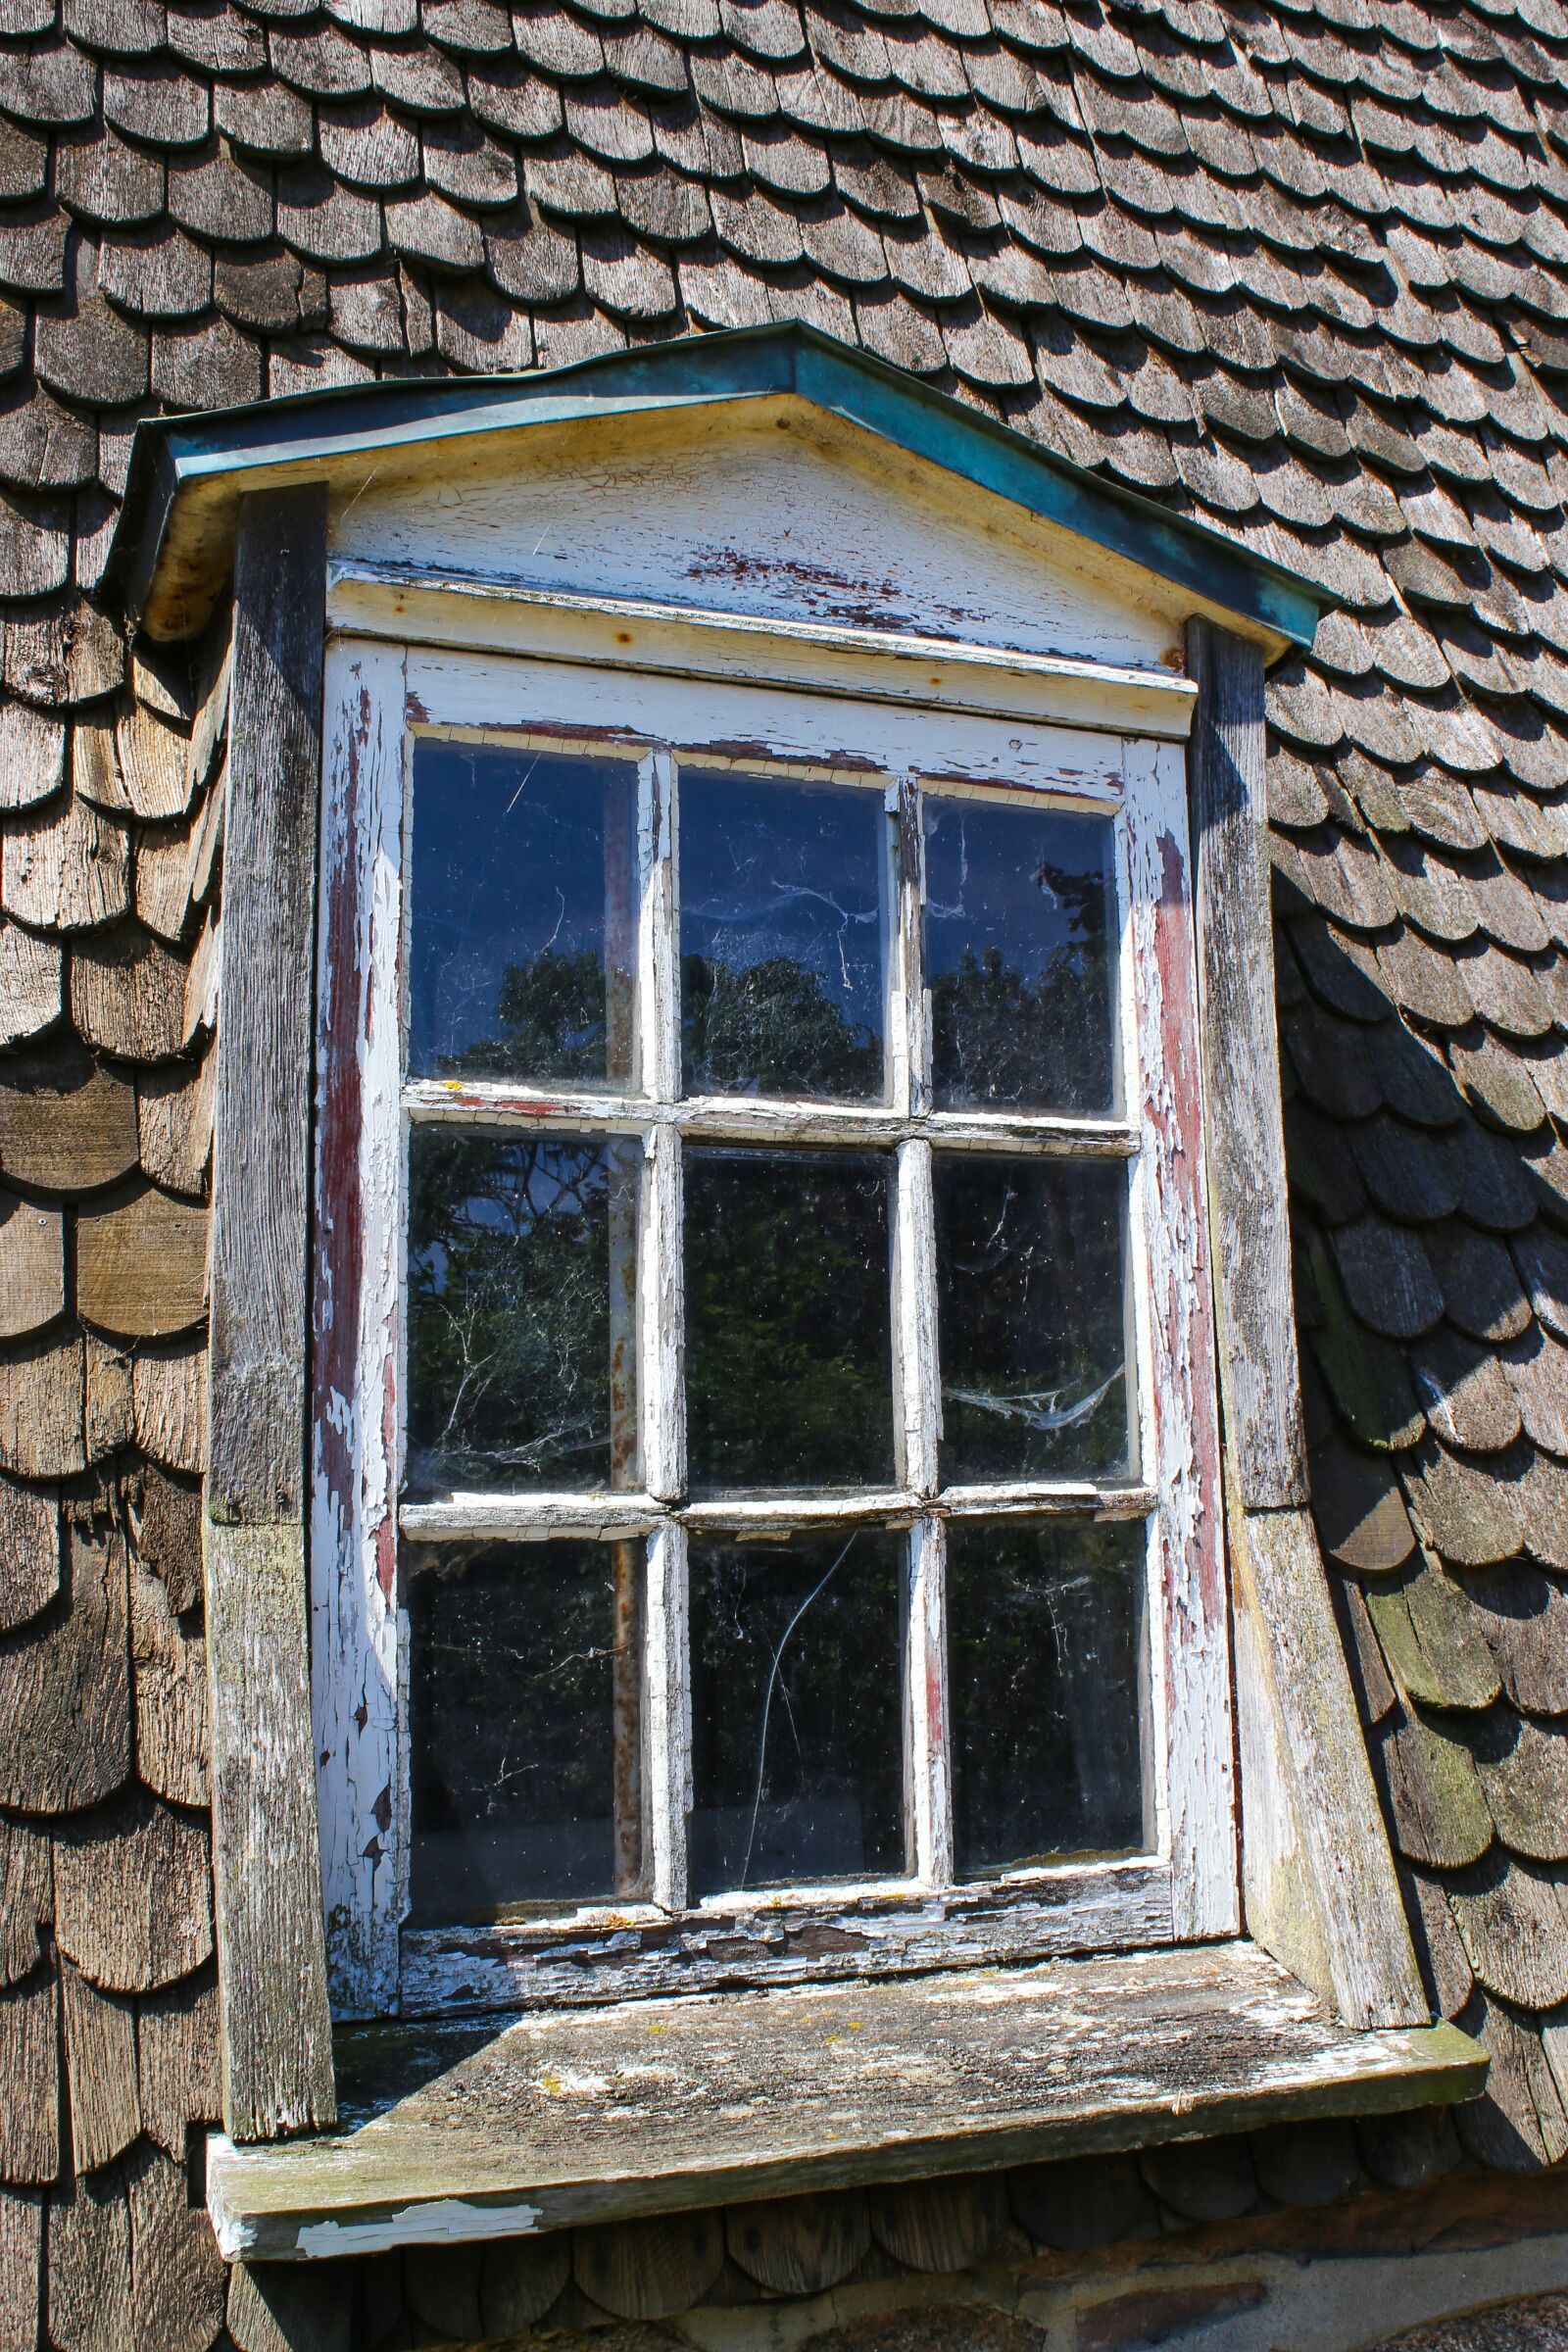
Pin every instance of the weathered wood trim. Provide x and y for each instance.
(1319, 1883)
(1194, 1792)
(535, 2128)
(170, 546)
(1248, 1210)
(356, 1360)
(526, 703)
(410, 606)
(277, 2060)
(755, 1119)
(261, 1188)
(789, 1935)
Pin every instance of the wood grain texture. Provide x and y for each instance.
(127, 993)
(109, 1404)
(32, 1266)
(90, 2305)
(41, 1406)
(66, 867)
(176, 2060)
(132, 1893)
(31, 977)
(30, 2067)
(168, 1392)
(141, 1265)
(29, 1551)
(65, 1690)
(26, 1898)
(651, 2269)
(261, 1177)
(179, 2288)
(274, 2307)
(32, 756)
(277, 2050)
(174, 1125)
(168, 1673)
(167, 1528)
(67, 1124)
(800, 2246)
(658, 2107)
(1247, 1210)
(21, 2270)
(941, 2225)
(1319, 1877)
(100, 2047)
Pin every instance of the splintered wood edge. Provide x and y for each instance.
(306, 2201)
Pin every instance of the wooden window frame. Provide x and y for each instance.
(380, 694)
(1318, 1883)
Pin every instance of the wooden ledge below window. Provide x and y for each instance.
(483, 2127)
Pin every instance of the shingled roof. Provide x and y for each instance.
(1297, 267)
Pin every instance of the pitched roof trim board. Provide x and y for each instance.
(172, 546)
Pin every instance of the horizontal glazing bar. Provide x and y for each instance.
(742, 1119)
(522, 1518)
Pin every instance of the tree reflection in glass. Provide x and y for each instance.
(781, 932)
(788, 1320)
(796, 1744)
(1046, 1651)
(524, 901)
(1019, 941)
(1032, 1332)
(525, 1673)
(520, 1341)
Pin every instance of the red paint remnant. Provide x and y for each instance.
(340, 1229)
(415, 711)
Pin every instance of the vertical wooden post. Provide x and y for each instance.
(1247, 1211)
(1317, 1872)
(277, 2053)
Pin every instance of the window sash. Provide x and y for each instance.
(376, 694)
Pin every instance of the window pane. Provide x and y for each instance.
(1019, 931)
(781, 936)
(1044, 1670)
(797, 1709)
(523, 908)
(1031, 1324)
(789, 1368)
(522, 1348)
(525, 1664)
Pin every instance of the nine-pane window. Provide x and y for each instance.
(925, 1308)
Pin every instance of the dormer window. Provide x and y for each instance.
(747, 1188)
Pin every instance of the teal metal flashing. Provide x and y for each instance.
(171, 454)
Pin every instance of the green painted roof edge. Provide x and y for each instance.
(742, 363)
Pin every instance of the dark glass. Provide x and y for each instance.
(1031, 1323)
(525, 1692)
(1045, 1672)
(781, 937)
(1019, 943)
(522, 1348)
(789, 1364)
(797, 1709)
(524, 912)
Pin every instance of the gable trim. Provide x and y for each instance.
(172, 551)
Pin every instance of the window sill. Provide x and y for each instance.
(459, 2131)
